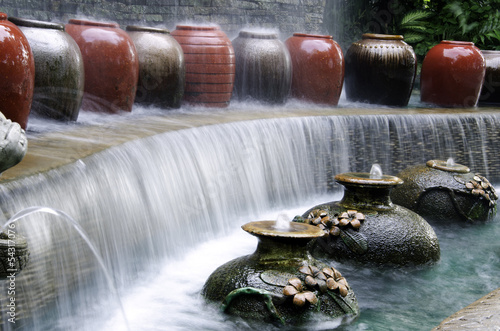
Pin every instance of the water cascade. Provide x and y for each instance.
(152, 200)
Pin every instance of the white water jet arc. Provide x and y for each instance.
(64, 216)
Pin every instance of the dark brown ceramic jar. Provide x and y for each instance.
(111, 65)
(452, 74)
(380, 69)
(59, 72)
(318, 68)
(162, 69)
(490, 92)
(17, 69)
(263, 67)
(210, 65)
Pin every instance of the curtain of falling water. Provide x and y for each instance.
(152, 198)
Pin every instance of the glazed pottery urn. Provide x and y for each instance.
(281, 283)
(59, 72)
(317, 68)
(443, 192)
(210, 65)
(490, 92)
(380, 69)
(452, 74)
(365, 226)
(263, 68)
(162, 70)
(17, 69)
(111, 65)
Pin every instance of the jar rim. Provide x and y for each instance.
(197, 27)
(362, 178)
(309, 35)
(36, 23)
(443, 165)
(457, 42)
(138, 28)
(77, 21)
(258, 34)
(382, 36)
(297, 230)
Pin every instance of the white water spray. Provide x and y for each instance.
(282, 222)
(31, 210)
(376, 171)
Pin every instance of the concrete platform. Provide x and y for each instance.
(483, 314)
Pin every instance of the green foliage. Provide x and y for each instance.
(424, 23)
(476, 21)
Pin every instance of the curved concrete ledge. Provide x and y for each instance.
(482, 314)
(50, 150)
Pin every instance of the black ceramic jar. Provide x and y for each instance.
(380, 69)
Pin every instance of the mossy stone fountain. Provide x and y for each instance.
(444, 191)
(365, 226)
(281, 283)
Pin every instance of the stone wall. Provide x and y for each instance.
(287, 16)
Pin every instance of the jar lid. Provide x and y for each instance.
(137, 28)
(382, 36)
(296, 230)
(447, 166)
(36, 24)
(93, 23)
(258, 34)
(307, 35)
(365, 178)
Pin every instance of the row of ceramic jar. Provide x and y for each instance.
(100, 67)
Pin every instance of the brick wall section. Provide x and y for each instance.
(286, 16)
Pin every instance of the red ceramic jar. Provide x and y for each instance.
(111, 65)
(318, 68)
(17, 72)
(452, 74)
(210, 65)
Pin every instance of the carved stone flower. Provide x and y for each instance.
(480, 186)
(333, 225)
(335, 281)
(295, 289)
(314, 277)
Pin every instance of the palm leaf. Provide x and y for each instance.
(412, 37)
(414, 16)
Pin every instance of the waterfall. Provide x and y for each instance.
(151, 198)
